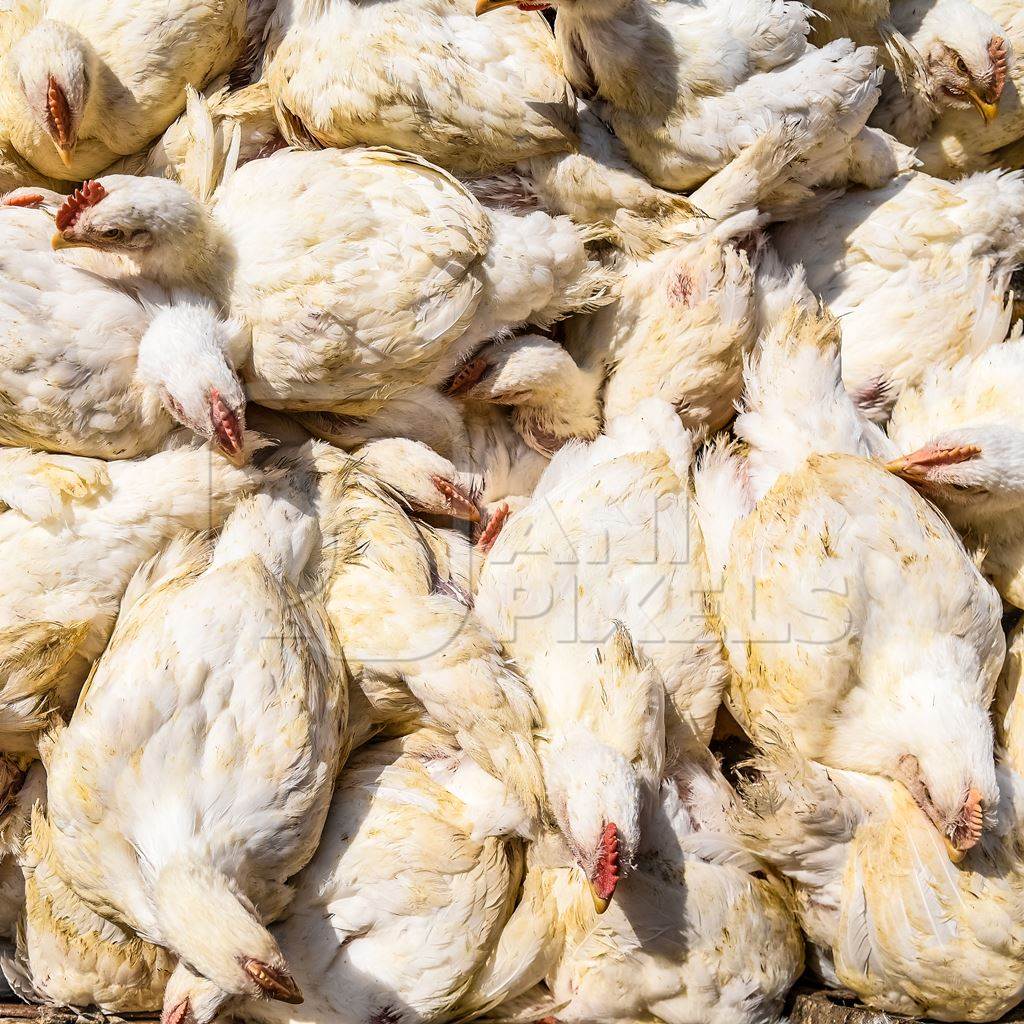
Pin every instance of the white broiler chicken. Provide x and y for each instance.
(183, 816)
(917, 271)
(943, 56)
(70, 955)
(684, 317)
(885, 912)
(422, 76)
(960, 434)
(501, 418)
(959, 143)
(94, 81)
(398, 593)
(611, 524)
(366, 272)
(101, 362)
(74, 532)
(850, 611)
(962, 57)
(406, 896)
(25, 791)
(687, 86)
(698, 931)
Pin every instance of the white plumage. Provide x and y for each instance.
(500, 515)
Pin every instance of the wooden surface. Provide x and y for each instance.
(822, 1007)
(21, 1012)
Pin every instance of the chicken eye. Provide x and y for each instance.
(961, 66)
(112, 233)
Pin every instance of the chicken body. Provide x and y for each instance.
(74, 534)
(424, 76)
(101, 362)
(696, 931)
(917, 270)
(849, 608)
(240, 713)
(392, 274)
(121, 72)
(611, 524)
(71, 955)
(409, 889)
(887, 915)
(687, 86)
(398, 594)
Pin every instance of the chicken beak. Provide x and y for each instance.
(483, 6)
(989, 111)
(66, 156)
(601, 903)
(59, 241)
(955, 855)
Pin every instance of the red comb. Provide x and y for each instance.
(606, 874)
(28, 199)
(997, 53)
(58, 111)
(81, 199)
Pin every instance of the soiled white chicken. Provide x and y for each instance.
(850, 611)
(942, 55)
(684, 317)
(74, 532)
(94, 81)
(500, 419)
(960, 435)
(414, 879)
(887, 915)
(959, 142)
(697, 932)
(99, 361)
(70, 955)
(359, 274)
(686, 86)
(918, 272)
(420, 75)
(397, 592)
(958, 59)
(183, 818)
(611, 524)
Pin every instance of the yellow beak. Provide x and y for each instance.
(988, 111)
(952, 852)
(600, 903)
(66, 156)
(60, 242)
(483, 6)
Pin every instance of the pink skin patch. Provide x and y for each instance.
(30, 200)
(91, 193)
(916, 465)
(459, 503)
(226, 427)
(606, 874)
(680, 288)
(997, 54)
(493, 528)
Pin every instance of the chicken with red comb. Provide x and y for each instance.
(91, 81)
(164, 358)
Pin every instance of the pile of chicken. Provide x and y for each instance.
(511, 516)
